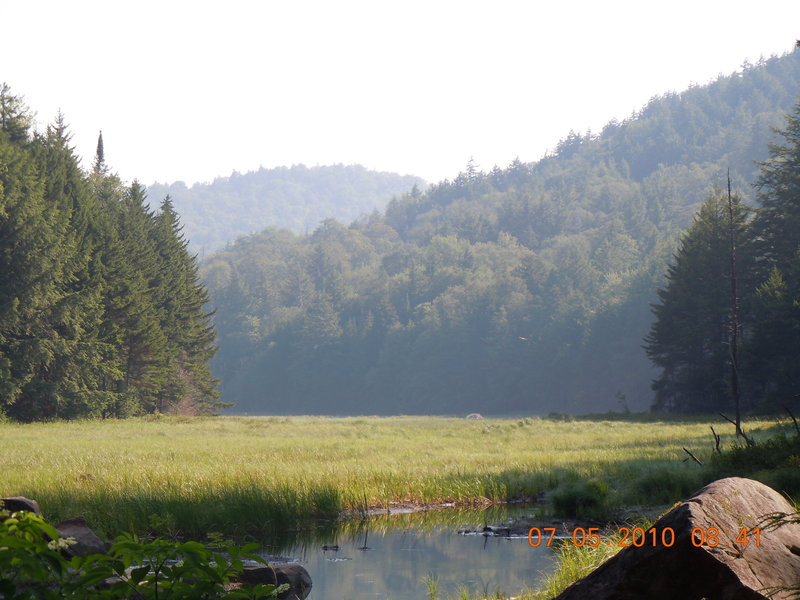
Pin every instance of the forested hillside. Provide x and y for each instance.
(525, 288)
(101, 307)
(297, 198)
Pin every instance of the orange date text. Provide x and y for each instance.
(638, 537)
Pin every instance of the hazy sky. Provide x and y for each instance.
(192, 90)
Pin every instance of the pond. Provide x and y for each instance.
(397, 557)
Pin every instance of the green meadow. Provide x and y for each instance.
(262, 475)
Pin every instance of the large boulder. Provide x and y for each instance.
(18, 503)
(689, 569)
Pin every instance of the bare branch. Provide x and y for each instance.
(697, 460)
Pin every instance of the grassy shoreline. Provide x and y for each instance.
(259, 475)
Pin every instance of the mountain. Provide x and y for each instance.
(524, 289)
(296, 198)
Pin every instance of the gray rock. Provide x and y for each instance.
(87, 540)
(729, 571)
(18, 503)
(295, 575)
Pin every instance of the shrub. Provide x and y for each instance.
(32, 566)
(582, 498)
(663, 485)
(774, 462)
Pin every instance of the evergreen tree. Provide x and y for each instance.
(15, 119)
(130, 262)
(101, 308)
(76, 319)
(25, 265)
(778, 221)
(99, 165)
(774, 350)
(690, 338)
(50, 314)
(771, 354)
(181, 298)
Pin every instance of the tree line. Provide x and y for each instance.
(101, 306)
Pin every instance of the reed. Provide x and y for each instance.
(256, 475)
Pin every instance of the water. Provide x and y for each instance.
(397, 558)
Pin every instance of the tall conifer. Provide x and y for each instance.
(189, 332)
(774, 349)
(689, 339)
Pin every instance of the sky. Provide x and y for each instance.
(194, 90)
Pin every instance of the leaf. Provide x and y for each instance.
(137, 575)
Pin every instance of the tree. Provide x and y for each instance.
(26, 270)
(101, 308)
(131, 304)
(181, 299)
(771, 353)
(15, 119)
(99, 165)
(690, 338)
(777, 224)
(52, 355)
(774, 350)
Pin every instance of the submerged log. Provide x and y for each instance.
(722, 550)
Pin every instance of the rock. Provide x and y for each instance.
(730, 571)
(497, 530)
(17, 503)
(87, 540)
(295, 575)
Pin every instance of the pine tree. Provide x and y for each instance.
(771, 352)
(84, 358)
(101, 308)
(49, 317)
(99, 165)
(15, 119)
(774, 350)
(131, 266)
(181, 298)
(24, 265)
(778, 221)
(690, 338)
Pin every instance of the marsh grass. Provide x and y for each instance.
(256, 475)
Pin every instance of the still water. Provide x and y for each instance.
(398, 558)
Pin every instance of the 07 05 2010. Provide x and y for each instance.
(639, 536)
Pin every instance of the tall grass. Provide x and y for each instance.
(257, 475)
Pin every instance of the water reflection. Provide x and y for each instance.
(394, 557)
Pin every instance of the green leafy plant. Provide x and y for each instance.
(582, 498)
(32, 566)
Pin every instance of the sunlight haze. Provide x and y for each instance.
(195, 90)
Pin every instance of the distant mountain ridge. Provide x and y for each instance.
(296, 198)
